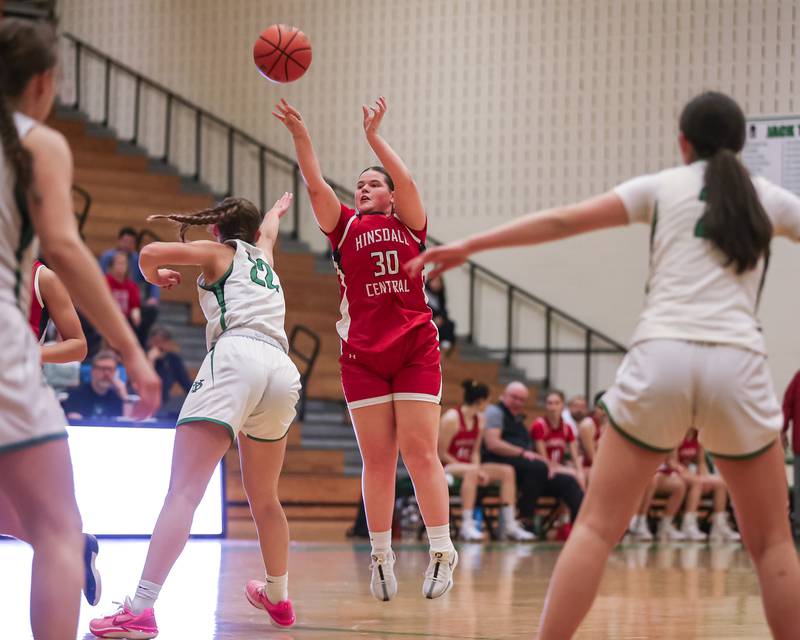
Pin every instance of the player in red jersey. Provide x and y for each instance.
(460, 435)
(589, 431)
(553, 437)
(391, 373)
(50, 301)
(693, 467)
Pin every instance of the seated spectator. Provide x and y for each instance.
(459, 449)
(589, 431)
(124, 290)
(552, 437)
(105, 396)
(693, 467)
(437, 301)
(163, 354)
(126, 243)
(666, 481)
(508, 441)
(575, 411)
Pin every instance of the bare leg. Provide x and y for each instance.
(199, 446)
(43, 497)
(759, 493)
(694, 494)
(417, 432)
(647, 498)
(621, 473)
(10, 523)
(377, 441)
(261, 468)
(675, 486)
(504, 474)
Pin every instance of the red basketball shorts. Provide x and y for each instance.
(408, 370)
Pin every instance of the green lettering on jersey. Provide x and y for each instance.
(780, 131)
(262, 267)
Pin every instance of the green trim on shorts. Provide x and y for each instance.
(212, 364)
(744, 456)
(628, 436)
(269, 439)
(204, 419)
(33, 442)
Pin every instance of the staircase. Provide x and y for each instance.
(320, 477)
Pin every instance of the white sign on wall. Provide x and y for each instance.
(772, 150)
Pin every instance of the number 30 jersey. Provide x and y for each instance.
(248, 296)
(380, 302)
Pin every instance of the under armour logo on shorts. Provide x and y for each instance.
(197, 384)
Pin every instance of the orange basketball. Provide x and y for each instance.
(282, 53)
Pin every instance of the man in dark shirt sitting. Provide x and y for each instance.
(104, 397)
(507, 440)
(163, 354)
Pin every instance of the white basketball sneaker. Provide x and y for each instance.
(383, 584)
(439, 575)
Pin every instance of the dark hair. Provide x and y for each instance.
(734, 220)
(105, 354)
(474, 391)
(556, 392)
(26, 48)
(127, 231)
(382, 171)
(236, 219)
(160, 331)
(598, 396)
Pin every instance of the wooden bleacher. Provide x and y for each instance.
(124, 192)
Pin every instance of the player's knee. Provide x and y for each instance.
(62, 523)
(420, 458)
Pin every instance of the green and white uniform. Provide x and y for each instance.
(30, 412)
(697, 356)
(247, 382)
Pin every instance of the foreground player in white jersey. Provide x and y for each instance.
(247, 386)
(697, 355)
(35, 200)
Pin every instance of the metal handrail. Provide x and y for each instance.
(513, 292)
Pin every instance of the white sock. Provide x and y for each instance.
(439, 538)
(508, 513)
(719, 518)
(690, 518)
(634, 526)
(467, 518)
(277, 588)
(146, 596)
(381, 541)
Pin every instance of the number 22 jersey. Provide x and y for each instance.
(248, 296)
(380, 302)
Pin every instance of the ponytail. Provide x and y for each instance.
(734, 220)
(26, 48)
(236, 218)
(474, 391)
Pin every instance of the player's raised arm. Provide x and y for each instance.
(269, 226)
(407, 201)
(323, 199)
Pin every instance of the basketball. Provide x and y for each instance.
(282, 53)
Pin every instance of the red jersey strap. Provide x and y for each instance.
(463, 423)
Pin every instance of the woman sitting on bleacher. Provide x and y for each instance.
(693, 467)
(459, 449)
(553, 439)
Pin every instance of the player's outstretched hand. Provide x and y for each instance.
(167, 278)
(145, 381)
(290, 117)
(373, 116)
(282, 205)
(444, 257)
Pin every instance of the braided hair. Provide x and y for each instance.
(26, 49)
(236, 219)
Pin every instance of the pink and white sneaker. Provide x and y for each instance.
(124, 623)
(281, 613)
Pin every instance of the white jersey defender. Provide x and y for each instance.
(247, 381)
(698, 356)
(30, 412)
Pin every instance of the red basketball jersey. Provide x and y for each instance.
(462, 446)
(598, 430)
(380, 302)
(555, 439)
(689, 450)
(38, 316)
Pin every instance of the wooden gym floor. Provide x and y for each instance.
(662, 591)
